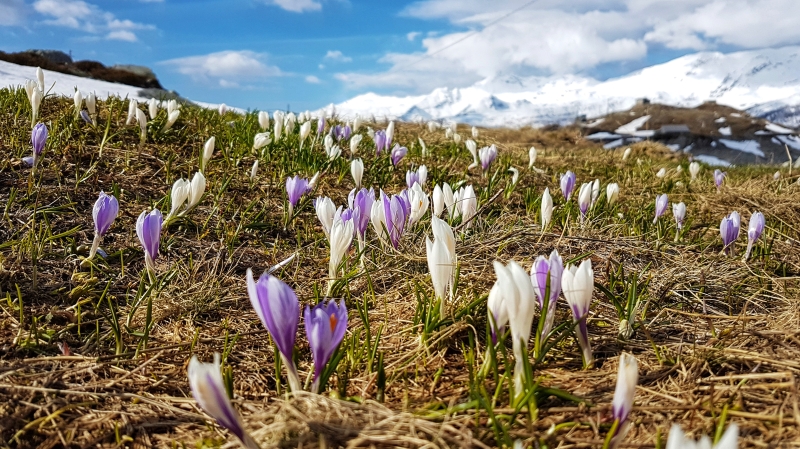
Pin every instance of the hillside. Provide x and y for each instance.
(765, 82)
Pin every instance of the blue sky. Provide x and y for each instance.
(268, 54)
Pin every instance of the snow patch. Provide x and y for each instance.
(712, 160)
(777, 129)
(745, 146)
(726, 131)
(633, 126)
(602, 136)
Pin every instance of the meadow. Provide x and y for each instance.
(96, 346)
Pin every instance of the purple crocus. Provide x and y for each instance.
(398, 153)
(85, 116)
(320, 125)
(487, 155)
(394, 210)
(567, 184)
(208, 389)
(148, 229)
(754, 231)
(729, 231)
(380, 142)
(361, 204)
(295, 188)
(342, 132)
(542, 271)
(325, 328)
(38, 141)
(719, 176)
(104, 212)
(277, 307)
(661, 206)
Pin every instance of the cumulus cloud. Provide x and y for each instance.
(311, 79)
(297, 5)
(79, 15)
(12, 12)
(412, 35)
(338, 56)
(225, 68)
(553, 37)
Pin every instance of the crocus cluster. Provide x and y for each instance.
(418, 176)
(189, 192)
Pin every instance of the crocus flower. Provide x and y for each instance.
(661, 206)
(679, 212)
(474, 132)
(518, 296)
(440, 266)
(38, 141)
(334, 152)
(577, 283)
(340, 239)
(152, 108)
(469, 206)
(678, 440)
(595, 192)
(694, 170)
(432, 126)
(627, 378)
(325, 211)
(472, 147)
(438, 200)
(172, 118)
(85, 116)
(261, 140)
(105, 210)
(531, 157)
(567, 184)
(487, 155)
(133, 105)
(398, 153)
(263, 119)
(208, 390)
(254, 170)
(78, 100)
(456, 138)
(380, 141)
(729, 230)
(777, 175)
(142, 120)
(542, 271)
(208, 151)
(325, 325)
(449, 199)
(178, 195)
(719, 176)
(360, 202)
(423, 147)
(35, 99)
(612, 193)
(357, 171)
(514, 175)
(584, 199)
(547, 208)
(295, 188)
(443, 232)
(389, 215)
(196, 189)
(305, 130)
(354, 142)
(222, 109)
(91, 103)
(498, 312)
(277, 127)
(754, 230)
(277, 307)
(289, 121)
(626, 154)
(148, 229)
(419, 202)
(389, 134)
(661, 173)
(356, 123)
(320, 125)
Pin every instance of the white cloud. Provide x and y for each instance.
(12, 12)
(338, 56)
(553, 37)
(79, 15)
(297, 5)
(412, 35)
(225, 68)
(311, 79)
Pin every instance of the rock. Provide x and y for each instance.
(139, 70)
(54, 56)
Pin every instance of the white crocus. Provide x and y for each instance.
(622, 404)
(577, 283)
(438, 201)
(172, 118)
(694, 170)
(341, 236)
(179, 195)
(91, 104)
(456, 138)
(327, 142)
(208, 151)
(531, 157)
(678, 440)
(172, 106)
(152, 108)
(514, 175)
(36, 103)
(305, 131)
(449, 199)
(547, 208)
(78, 100)
(334, 152)
(469, 206)
(441, 268)
(223, 109)
(432, 126)
(263, 119)
(261, 140)
(196, 189)
(519, 298)
(422, 172)
(595, 192)
(356, 123)
(626, 154)
(612, 193)
(357, 171)
(473, 149)
(40, 78)
(133, 105)
(370, 132)
(325, 212)
(354, 142)
(584, 199)
(423, 147)
(254, 170)
(277, 127)
(312, 183)
(142, 119)
(661, 173)
(442, 231)
(390, 132)
(475, 132)
(377, 217)
(419, 204)
(448, 133)
(289, 121)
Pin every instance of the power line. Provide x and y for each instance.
(469, 35)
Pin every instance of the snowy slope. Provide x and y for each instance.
(12, 75)
(763, 81)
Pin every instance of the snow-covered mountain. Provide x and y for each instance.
(764, 82)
